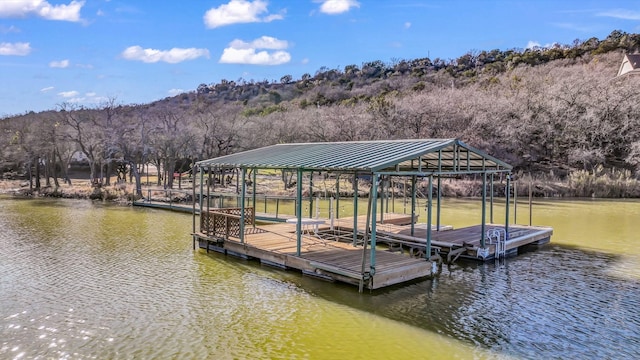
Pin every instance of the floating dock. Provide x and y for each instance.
(339, 251)
(330, 253)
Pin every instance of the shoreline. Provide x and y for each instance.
(124, 193)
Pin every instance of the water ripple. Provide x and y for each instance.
(87, 282)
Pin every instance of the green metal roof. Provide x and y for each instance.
(399, 156)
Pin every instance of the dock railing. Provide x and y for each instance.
(225, 223)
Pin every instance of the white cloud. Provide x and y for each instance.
(621, 14)
(41, 8)
(172, 56)
(69, 94)
(407, 25)
(534, 44)
(88, 98)
(305, 61)
(174, 92)
(59, 64)
(17, 49)
(263, 42)
(47, 89)
(333, 7)
(240, 52)
(239, 11)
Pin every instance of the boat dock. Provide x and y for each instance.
(372, 251)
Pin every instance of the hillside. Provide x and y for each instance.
(546, 111)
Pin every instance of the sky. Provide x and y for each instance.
(88, 52)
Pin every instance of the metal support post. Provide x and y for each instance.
(413, 203)
(355, 209)
(429, 206)
(484, 210)
(299, 213)
(507, 201)
(374, 206)
(438, 208)
(242, 203)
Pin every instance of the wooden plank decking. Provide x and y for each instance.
(275, 245)
(330, 254)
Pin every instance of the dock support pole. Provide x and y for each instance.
(201, 200)
(209, 189)
(381, 179)
(193, 196)
(243, 202)
(393, 197)
(209, 222)
(364, 275)
(253, 194)
(413, 203)
(507, 201)
(438, 208)
(491, 200)
(530, 200)
(374, 206)
(427, 253)
(515, 202)
(311, 194)
(404, 196)
(338, 196)
(484, 210)
(299, 212)
(355, 208)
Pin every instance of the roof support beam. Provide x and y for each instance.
(442, 173)
(484, 211)
(299, 213)
(243, 202)
(506, 215)
(427, 251)
(438, 208)
(355, 208)
(414, 179)
(374, 208)
(253, 193)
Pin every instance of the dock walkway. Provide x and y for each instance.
(329, 253)
(325, 255)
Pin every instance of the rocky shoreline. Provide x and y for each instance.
(80, 189)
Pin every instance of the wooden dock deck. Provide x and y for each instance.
(326, 255)
(329, 253)
(465, 242)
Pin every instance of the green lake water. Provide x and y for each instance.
(82, 280)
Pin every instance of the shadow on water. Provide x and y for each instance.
(555, 302)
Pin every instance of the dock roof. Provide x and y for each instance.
(416, 156)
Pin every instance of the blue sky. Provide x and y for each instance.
(85, 52)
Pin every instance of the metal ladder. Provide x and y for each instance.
(498, 237)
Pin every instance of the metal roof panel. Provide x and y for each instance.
(369, 156)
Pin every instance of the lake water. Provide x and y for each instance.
(81, 280)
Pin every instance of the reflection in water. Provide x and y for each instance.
(79, 280)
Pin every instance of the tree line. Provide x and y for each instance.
(555, 109)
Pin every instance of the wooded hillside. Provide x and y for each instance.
(542, 110)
